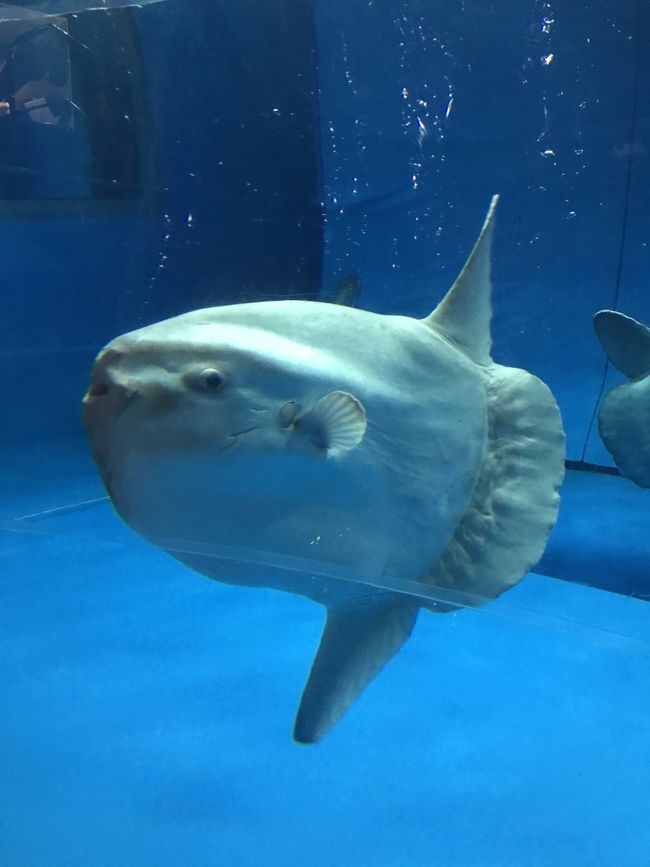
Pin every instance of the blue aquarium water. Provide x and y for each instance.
(177, 156)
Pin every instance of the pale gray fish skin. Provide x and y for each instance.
(624, 413)
(384, 448)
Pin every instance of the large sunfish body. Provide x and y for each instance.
(624, 413)
(385, 447)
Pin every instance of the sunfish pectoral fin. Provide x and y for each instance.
(358, 640)
(464, 314)
(626, 342)
(336, 423)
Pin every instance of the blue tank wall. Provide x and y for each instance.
(426, 110)
(429, 108)
(232, 100)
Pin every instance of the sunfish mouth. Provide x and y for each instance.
(107, 398)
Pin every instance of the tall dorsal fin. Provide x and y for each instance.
(463, 316)
(625, 341)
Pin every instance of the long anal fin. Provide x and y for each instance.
(359, 638)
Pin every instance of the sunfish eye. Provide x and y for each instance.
(207, 379)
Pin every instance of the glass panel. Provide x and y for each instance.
(304, 183)
(73, 117)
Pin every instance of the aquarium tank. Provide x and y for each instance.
(325, 442)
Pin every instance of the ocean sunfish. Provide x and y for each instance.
(624, 413)
(382, 446)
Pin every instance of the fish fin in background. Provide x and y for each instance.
(624, 414)
(336, 423)
(346, 293)
(58, 8)
(504, 530)
(465, 313)
(358, 640)
(626, 342)
(624, 427)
